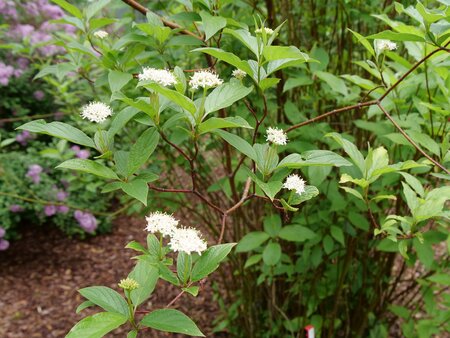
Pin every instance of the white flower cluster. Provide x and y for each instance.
(162, 77)
(296, 183)
(96, 112)
(382, 45)
(186, 240)
(239, 74)
(205, 79)
(276, 136)
(101, 34)
(268, 31)
(161, 222)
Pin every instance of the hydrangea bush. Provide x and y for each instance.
(193, 112)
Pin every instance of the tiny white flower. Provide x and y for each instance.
(187, 240)
(205, 79)
(160, 222)
(294, 182)
(96, 112)
(101, 34)
(160, 76)
(382, 45)
(239, 74)
(268, 31)
(276, 136)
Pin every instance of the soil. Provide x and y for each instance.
(41, 273)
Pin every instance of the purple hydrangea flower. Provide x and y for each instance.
(4, 244)
(15, 208)
(21, 31)
(61, 195)
(52, 12)
(6, 72)
(2, 232)
(34, 172)
(23, 137)
(81, 153)
(8, 9)
(86, 220)
(49, 210)
(39, 95)
(63, 209)
(23, 63)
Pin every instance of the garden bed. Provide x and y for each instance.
(40, 275)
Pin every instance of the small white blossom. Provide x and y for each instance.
(160, 222)
(268, 31)
(294, 182)
(276, 136)
(101, 34)
(96, 112)
(205, 79)
(160, 76)
(239, 74)
(187, 240)
(382, 45)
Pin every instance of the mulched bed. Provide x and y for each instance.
(40, 275)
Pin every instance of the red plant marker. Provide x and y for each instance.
(310, 332)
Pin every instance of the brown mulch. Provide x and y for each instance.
(40, 275)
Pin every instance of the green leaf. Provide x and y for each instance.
(268, 83)
(351, 150)
(272, 53)
(309, 193)
(227, 57)
(96, 326)
(69, 8)
(132, 334)
(60, 130)
(314, 158)
(425, 252)
(252, 260)
(117, 80)
(440, 278)
(83, 306)
(296, 233)
(246, 38)
(184, 267)
(221, 123)
(89, 166)
(354, 192)
(174, 96)
(272, 253)
(209, 261)
(212, 24)
(136, 246)
(142, 150)
(170, 320)
(225, 95)
(237, 142)
(251, 241)
(336, 84)
(95, 7)
(106, 298)
(337, 234)
(394, 36)
(146, 275)
(97, 23)
(121, 119)
(364, 42)
(137, 189)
